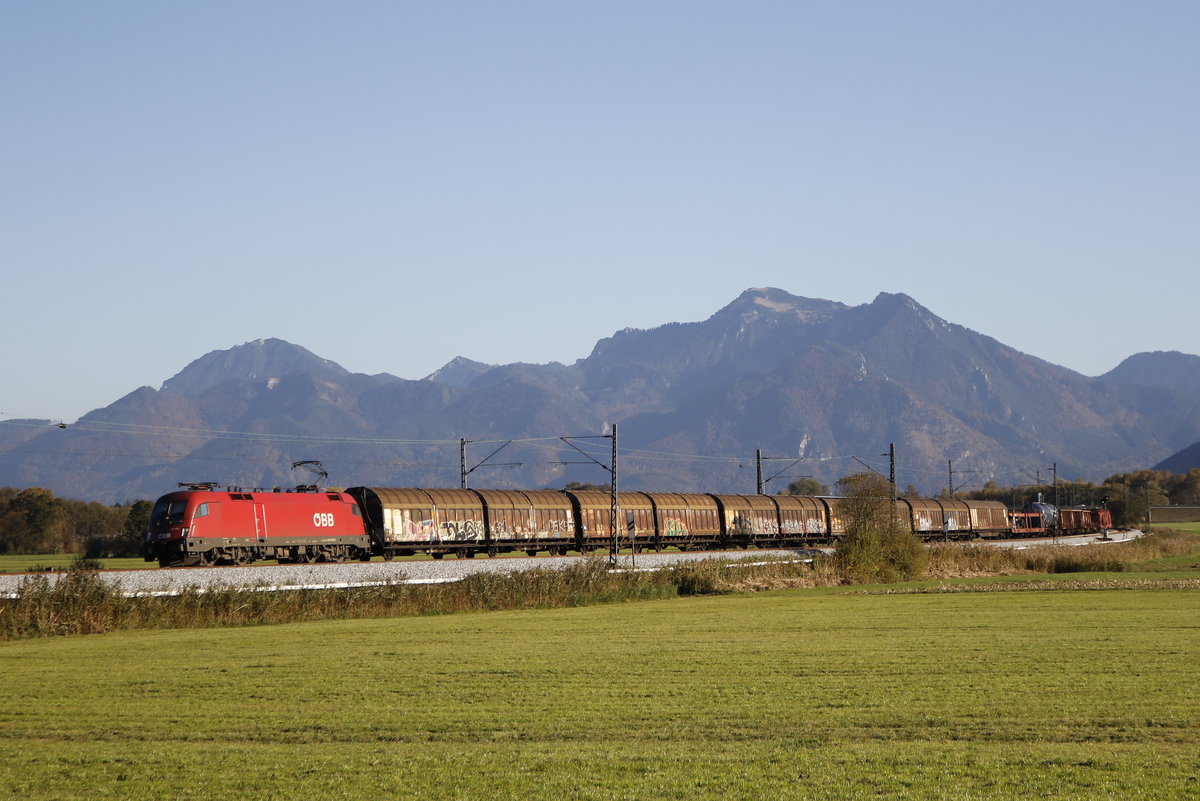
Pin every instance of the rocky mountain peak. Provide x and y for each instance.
(1166, 369)
(891, 304)
(261, 360)
(765, 302)
(459, 372)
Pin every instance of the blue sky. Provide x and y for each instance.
(394, 184)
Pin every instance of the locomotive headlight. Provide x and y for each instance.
(183, 532)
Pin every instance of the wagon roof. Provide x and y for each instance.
(922, 504)
(986, 505)
(792, 503)
(414, 496)
(525, 499)
(758, 502)
(681, 500)
(590, 499)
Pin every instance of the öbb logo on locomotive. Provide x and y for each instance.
(201, 524)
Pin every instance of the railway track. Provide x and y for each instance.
(264, 577)
(273, 577)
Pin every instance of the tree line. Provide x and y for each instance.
(34, 521)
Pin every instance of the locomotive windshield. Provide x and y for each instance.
(167, 512)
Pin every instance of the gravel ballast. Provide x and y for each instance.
(363, 574)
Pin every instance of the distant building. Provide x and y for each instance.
(1174, 514)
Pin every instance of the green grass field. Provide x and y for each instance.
(799, 694)
(1193, 528)
(23, 563)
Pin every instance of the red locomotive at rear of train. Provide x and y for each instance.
(201, 525)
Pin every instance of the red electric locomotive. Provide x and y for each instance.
(201, 525)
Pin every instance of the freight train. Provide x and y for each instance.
(203, 525)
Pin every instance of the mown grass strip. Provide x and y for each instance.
(798, 694)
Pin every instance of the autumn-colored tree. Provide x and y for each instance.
(34, 522)
(877, 546)
(133, 533)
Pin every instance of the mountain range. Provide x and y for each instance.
(820, 388)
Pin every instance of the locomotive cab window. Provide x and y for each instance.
(167, 512)
(201, 511)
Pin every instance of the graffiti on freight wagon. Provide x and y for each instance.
(460, 530)
(813, 525)
(400, 526)
(552, 529)
(674, 527)
(753, 525)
